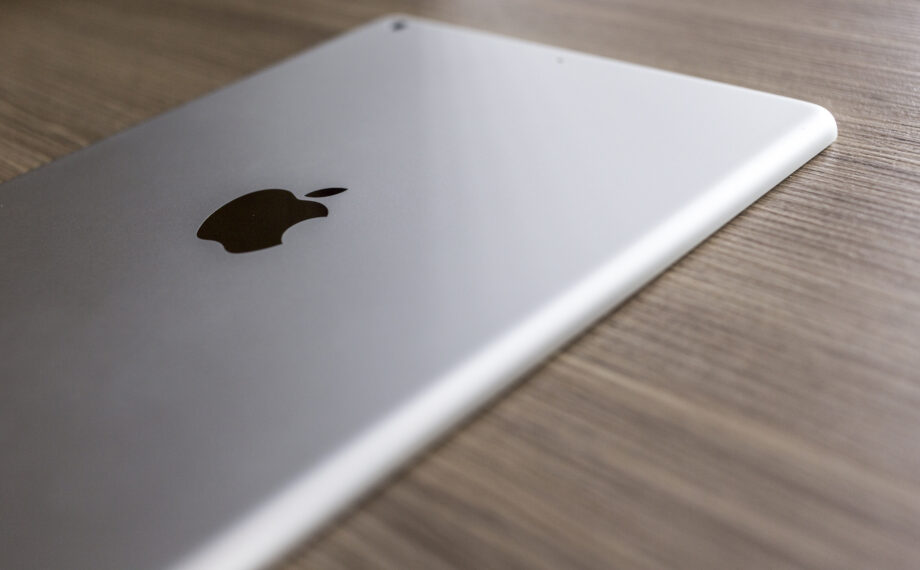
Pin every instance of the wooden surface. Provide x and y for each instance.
(758, 406)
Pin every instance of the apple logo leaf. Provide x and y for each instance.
(325, 192)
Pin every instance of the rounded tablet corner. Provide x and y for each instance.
(826, 121)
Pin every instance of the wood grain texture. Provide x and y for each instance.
(758, 406)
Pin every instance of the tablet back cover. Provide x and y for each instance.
(168, 403)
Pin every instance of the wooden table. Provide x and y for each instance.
(758, 406)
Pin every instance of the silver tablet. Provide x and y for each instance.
(219, 327)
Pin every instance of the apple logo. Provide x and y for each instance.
(257, 220)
